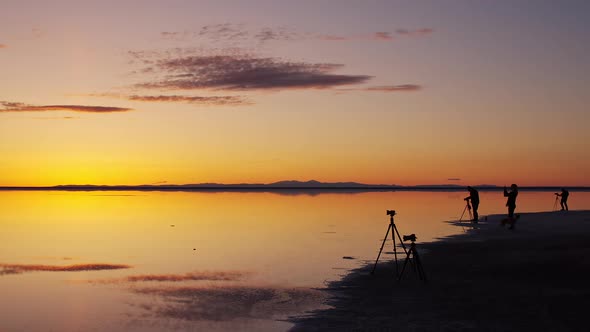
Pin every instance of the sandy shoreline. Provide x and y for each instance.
(534, 278)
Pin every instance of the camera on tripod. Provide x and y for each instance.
(556, 194)
(391, 213)
(411, 237)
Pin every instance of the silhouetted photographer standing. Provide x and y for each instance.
(474, 198)
(511, 202)
(564, 195)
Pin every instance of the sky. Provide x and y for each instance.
(378, 92)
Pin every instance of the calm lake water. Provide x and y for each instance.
(189, 261)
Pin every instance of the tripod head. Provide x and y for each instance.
(391, 213)
(411, 237)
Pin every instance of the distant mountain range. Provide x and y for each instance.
(289, 185)
(280, 185)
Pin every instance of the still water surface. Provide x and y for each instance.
(190, 261)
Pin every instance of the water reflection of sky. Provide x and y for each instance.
(160, 260)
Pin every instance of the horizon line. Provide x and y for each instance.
(278, 186)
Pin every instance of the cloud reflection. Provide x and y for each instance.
(193, 276)
(22, 268)
(230, 303)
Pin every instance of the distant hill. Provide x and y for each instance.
(283, 186)
(317, 184)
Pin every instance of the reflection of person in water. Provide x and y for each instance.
(474, 198)
(511, 203)
(564, 195)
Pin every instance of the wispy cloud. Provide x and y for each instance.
(55, 117)
(3, 46)
(383, 36)
(234, 33)
(21, 268)
(415, 33)
(200, 100)
(333, 37)
(244, 72)
(386, 88)
(230, 32)
(6, 106)
(378, 36)
(213, 100)
(285, 34)
(395, 88)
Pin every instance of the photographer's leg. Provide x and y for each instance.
(511, 216)
(475, 215)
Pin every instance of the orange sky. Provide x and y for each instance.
(389, 93)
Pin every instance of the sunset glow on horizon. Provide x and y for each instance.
(376, 92)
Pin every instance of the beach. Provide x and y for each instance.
(490, 278)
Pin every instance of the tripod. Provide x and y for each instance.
(393, 230)
(467, 208)
(555, 203)
(412, 255)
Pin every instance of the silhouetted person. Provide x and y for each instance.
(474, 198)
(511, 202)
(564, 195)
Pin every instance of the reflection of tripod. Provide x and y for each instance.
(393, 230)
(467, 208)
(413, 255)
(555, 205)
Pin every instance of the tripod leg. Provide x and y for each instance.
(400, 240)
(421, 273)
(380, 250)
(394, 249)
(402, 243)
(399, 278)
(465, 208)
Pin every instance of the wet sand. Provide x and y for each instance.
(533, 278)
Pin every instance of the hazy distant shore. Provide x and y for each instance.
(534, 278)
(301, 187)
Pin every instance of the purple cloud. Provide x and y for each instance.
(395, 88)
(213, 100)
(383, 36)
(200, 100)
(229, 32)
(415, 33)
(243, 72)
(233, 32)
(333, 38)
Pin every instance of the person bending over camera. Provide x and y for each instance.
(474, 198)
(564, 195)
